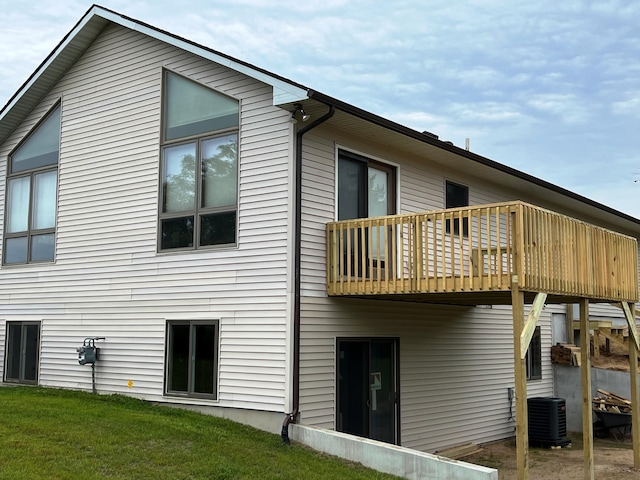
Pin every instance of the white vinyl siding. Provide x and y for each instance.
(108, 279)
(456, 363)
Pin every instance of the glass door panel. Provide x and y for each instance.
(382, 421)
(378, 207)
(367, 389)
(204, 339)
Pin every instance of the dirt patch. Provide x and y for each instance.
(612, 460)
(616, 359)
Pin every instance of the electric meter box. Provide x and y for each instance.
(88, 354)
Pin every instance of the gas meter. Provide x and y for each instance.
(88, 352)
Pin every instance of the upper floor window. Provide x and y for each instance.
(457, 196)
(366, 188)
(199, 166)
(32, 180)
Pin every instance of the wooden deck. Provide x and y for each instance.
(474, 255)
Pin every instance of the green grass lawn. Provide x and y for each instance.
(60, 434)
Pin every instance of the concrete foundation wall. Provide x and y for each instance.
(400, 461)
(270, 422)
(568, 386)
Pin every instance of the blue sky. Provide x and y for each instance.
(551, 88)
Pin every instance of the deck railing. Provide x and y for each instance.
(479, 249)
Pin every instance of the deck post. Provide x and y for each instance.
(520, 374)
(568, 324)
(635, 398)
(587, 409)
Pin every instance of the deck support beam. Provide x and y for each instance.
(530, 325)
(631, 322)
(520, 374)
(587, 409)
(630, 315)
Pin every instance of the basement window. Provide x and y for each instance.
(192, 358)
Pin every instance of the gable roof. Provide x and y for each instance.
(74, 44)
(285, 91)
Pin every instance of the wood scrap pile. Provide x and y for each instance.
(610, 402)
(565, 354)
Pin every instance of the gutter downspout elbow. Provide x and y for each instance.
(291, 417)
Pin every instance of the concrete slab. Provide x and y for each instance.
(400, 461)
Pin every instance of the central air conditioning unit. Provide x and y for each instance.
(547, 422)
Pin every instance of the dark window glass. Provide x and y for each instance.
(23, 339)
(457, 196)
(366, 188)
(352, 189)
(218, 228)
(179, 358)
(192, 358)
(204, 339)
(30, 359)
(177, 233)
(13, 351)
(534, 356)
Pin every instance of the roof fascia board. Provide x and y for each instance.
(283, 92)
(409, 132)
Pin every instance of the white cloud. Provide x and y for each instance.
(630, 106)
(486, 112)
(567, 107)
(507, 74)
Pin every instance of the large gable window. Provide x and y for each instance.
(199, 166)
(32, 181)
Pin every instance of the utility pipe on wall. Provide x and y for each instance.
(291, 417)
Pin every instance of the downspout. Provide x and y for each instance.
(291, 417)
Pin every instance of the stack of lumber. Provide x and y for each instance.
(460, 451)
(611, 402)
(565, 354)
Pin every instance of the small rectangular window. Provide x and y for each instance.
(192, 358)
(534, 356)
(457, 195)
